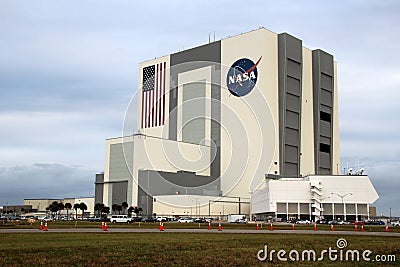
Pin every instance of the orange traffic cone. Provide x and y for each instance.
(271, 228)
(387, 228)
(356, 228)
(41, 226)
(105, 227)
(332, 227)
(102, 226)
(315, 227)
(209, 226)
(257, 227)
(362, 228)
(161, 226)
(293, 226)
(219, 227)
(45, 227)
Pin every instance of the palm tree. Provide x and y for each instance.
(53, 208)
(60, 208)
(82, 207)
(76, 208)
(68, 206)
(98, 207)
(105, 210)
(119, 209)
(130, 210)
(114, 208)
(125, 206)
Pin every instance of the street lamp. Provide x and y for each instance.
(322, 207)
(342, 197)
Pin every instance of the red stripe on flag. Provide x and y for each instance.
(142, 109)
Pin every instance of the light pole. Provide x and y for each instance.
(342, 197)
(322, 207)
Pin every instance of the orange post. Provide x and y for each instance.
(219, 227)
(271, 228)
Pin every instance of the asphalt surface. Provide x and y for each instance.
(215, 231)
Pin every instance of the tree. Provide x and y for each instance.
(130, 211)
(98, 207)
(105, 210)
(125, 206)
(60, 208)
(119, 209)
(135, 210)
(82, 207)
(76, 208)
(54, 208)
(68, 206)
(114, 208)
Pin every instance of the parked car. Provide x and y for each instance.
(343, 222)
(94, 219)
(242, 221)
(185, 220)
(374, 223)
(322, 222)
(136, 219)
(333, 222)
(161, 219)
(199, 220)
(120, 219)
(395, 223)
(356, 222)
(149, 219)
(303, 222)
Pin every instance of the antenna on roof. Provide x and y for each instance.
(209, 38)
(214, 35)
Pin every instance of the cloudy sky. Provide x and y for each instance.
(69, 68)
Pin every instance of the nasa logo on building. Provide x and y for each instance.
(242, 76)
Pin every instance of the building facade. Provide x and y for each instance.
(213, 122)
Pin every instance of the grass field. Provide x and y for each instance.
(174, 225)
(174, 249)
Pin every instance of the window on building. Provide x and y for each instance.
(325, 116)
(324, 148)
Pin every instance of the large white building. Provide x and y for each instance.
(215, 123)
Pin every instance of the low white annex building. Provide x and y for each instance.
(345, 197)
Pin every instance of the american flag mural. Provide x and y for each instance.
(153, 95)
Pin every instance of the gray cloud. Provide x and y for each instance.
(42, 180)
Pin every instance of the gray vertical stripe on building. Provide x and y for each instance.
(290, 59)
(323, 95)
(199, 57)
(119, 192)
(99, 188)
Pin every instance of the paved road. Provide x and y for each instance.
(224, 231)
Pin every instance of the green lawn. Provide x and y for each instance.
(174, 225)
(172, 249)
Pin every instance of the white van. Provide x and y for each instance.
(120, 219)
